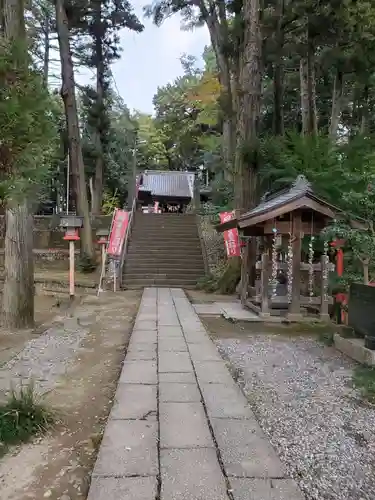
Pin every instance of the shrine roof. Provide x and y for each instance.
(286, 200)
(299, 195)
(168, 183)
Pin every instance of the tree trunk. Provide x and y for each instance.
(248, 116)
(364, 110)
(100, 70)
(248, 112)
(46, 47)
(278, 74)
(337, 96)
(18, 293)
(14, 21)
(366, 278)
(218, 30)
(308, 92)
(74, 138)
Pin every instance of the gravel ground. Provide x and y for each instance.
(47, 357)
(301, 394)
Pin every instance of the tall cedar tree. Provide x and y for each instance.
(101, 21)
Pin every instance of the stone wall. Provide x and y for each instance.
(213, 241)
(49, 236)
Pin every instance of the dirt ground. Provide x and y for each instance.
(46, 307)
(58, 466)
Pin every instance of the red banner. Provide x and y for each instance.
(231, 238)
(118, 231)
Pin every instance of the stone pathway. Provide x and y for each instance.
(180, 428)
(233, 311)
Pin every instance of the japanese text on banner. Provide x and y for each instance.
(118, 232)
(231, 238)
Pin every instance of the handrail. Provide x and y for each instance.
(127, 238)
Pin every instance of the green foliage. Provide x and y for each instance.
(110, 203)
(22, 416)
(28, 124)
(326, 337)
(224, 279)
(86, 264)
(364, 380)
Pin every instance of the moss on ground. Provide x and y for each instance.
(364, 381)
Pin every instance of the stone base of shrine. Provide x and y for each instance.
(355, 349)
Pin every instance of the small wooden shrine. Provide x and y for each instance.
(288, 285)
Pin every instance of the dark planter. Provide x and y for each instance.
(370, 342)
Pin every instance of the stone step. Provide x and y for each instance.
(156, 276)
(171, 216)
(166, 251)
(162, 260)
(169, 244)
(165, 223)
(168, 228)
(166, 268)
(172, 282)
(140, 233)
(158, 241)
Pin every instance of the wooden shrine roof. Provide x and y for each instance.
(167, 183)
(299, 196)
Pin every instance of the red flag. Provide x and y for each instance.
(231, 238)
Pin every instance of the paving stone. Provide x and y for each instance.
(138, 372)
(123, 488)
(145, 355)
(177, 292)
(177, 378)
(183, 425)
(225, 401)
(179, 393)
(141, 324)
(265, 489)
(199, 338)
(141, 336)
(191, 327)
(172, 344)
(142, 346)
(148, 310)
(128, 449)
(212, 372)
(204, 352)
(170, 331)
(174, 362)
(191, 475)
(244, 449)
(135, 401)
(146, 316)
(168, 320)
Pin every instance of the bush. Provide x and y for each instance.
(86, 264)
(364, 380)
(22, 416)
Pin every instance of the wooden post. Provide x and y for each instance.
(264, 280)
(294, 313)
(324, 316)
(71, 269)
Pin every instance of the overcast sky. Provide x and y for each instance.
(151, 59)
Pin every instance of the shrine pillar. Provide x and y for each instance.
(294, 312)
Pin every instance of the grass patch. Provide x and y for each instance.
(326, 336)
(364, 380)
(21, 417)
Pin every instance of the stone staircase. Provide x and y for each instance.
(164, 250)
